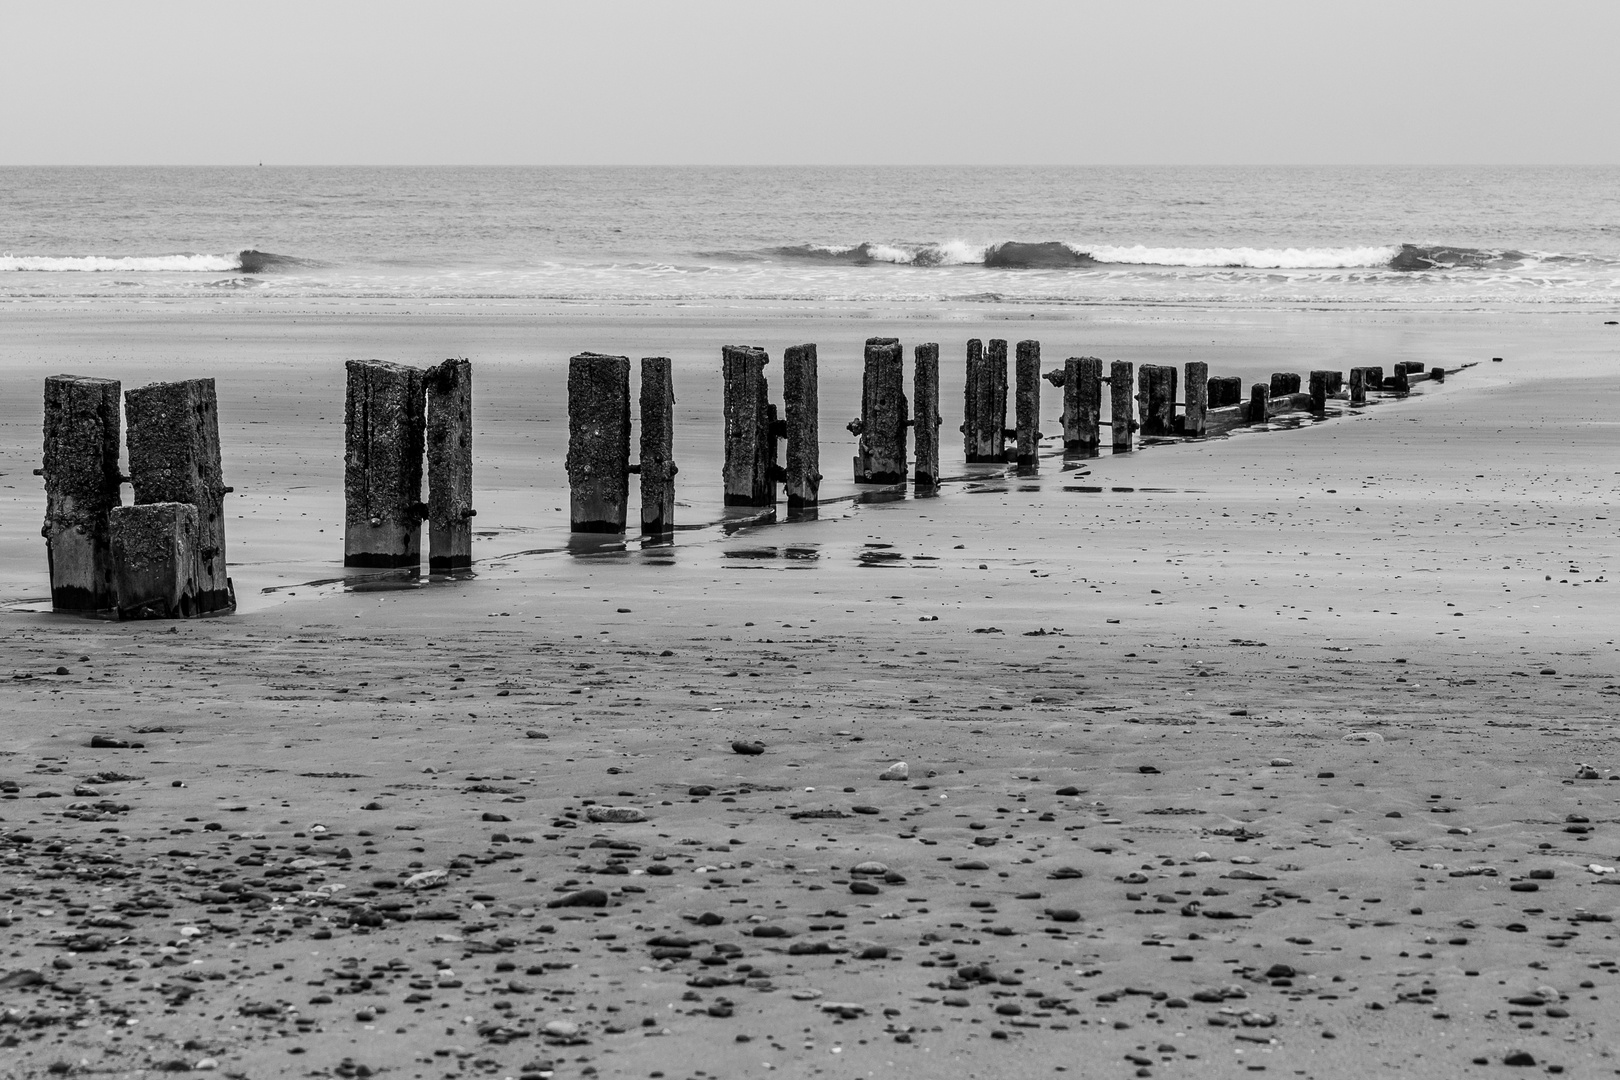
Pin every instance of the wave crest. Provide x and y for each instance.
(249, 261)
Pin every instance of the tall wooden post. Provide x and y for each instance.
(1284, 382)
(174, 458)
(598, 461)
(985, 402)
(1358, 387)
(448, 389)
(1319, 391)
(925, 408)
(156, 559)
(1028, 412)
(1121, 413)
(80, 467)
(1082, 403)
(750, 465)
(657, 466)
(881, 453)
(1156, 394)
(1259, 403)
(1225, 390)
(801, 401)
(1195, 411)
(382, 465)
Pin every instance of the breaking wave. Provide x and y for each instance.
(243, 262)
(1060, 255)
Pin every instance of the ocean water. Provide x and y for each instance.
(1438, 238)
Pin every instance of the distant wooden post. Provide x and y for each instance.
(174, 458)
(1225, 390)
(1399, 384)
(1195, 411)
(1259, 403)
(80, 467)
(1375, 378)
(598, 461)
(750, 465)
(382, 465)
(1437, 374)
(1284, 382)
(801, 402)
(1121, 414)
(925, 410)
(1157, 396)
(156, 559)
(1082, 403)
(448, 389)
(1027, 415)
(1335, 382)
(985, 406)
(1358, 387)
(881, 454)
(657, 464)
(1319, 392)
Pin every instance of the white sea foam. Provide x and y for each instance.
(122, 264)
(1252, 258)
(961, 253)
(889, 253)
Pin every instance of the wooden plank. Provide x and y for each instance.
(382, 465)
(598, 461)
(80, 469)
(448, 389)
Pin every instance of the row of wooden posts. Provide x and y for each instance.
(599, 467)
(163, 557)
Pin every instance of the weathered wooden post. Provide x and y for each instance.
(1082, 403)
(1399, 384)
(801, 401)
(880, 456)
(1335, 382)
(984, 409)
(1284, 382)
(156, 555)
(174, 458)
(657, 464)
(1027, 415)
(1259, 403)
(80, 468)
(750, 465)
(1375, 378)
(1225, 390)
(1156, 394)
(1121, 414)
(1358, 387)
(1195, 411)
(925, 410)
(1319, 392)
(598, 461)
(448, 388)
(1437, 374)
(382, 465)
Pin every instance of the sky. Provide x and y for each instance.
(716, 82)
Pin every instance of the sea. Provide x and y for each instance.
(1384, 237)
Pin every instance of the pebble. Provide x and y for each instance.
(1281, 762)
(428, 879)
(561, 1028)
(743, 746)
(1070, 790)
(1363, 737)
(869, 867)
(617, 815)
(898, 771)
(582, 898)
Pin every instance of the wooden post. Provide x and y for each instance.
(985, 405)
(1196, 410)
(1082, 403)
(156, 559)
(80, 468)
(1358, 387)
(1335, 382)
(448, 389)
(657, 464)
(1284, 382)
(1399, 384)
(382, 465)
(1259, 403)
(1121, 415)
(598, 461)
(881, 451)
(750, 465)
(1319, 391)
(1437, 374)
(1375, 378)
(174, 458)
(1028, 412)
(925, 408)
(1157, 397)
(801, 402)
(1224, 391)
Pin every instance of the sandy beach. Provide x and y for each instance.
(1288, 753)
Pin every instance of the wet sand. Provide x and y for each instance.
(1289, 752)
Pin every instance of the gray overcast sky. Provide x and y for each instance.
(809, 82)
